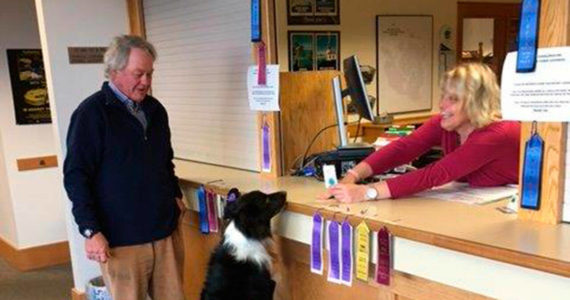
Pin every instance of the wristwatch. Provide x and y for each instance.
(88, 233)
(371, 193)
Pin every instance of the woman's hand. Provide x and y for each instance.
(348, 192)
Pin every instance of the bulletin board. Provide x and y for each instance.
(404, 60)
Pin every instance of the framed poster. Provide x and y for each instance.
(313, 12)
(404, 59)
(27, 76)
(314, 50)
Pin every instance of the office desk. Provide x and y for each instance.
(441, 250)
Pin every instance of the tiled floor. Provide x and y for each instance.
(53, 283)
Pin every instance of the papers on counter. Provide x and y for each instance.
(461, 192)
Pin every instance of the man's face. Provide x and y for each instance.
(135, 79)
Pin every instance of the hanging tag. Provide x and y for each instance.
(532, 170)
(203, 210)
(346, 269)
(334, 252)
(383, 262)
(255, 21)
(212, 211)
(261, 65)
(528, 36)
(362, 251)
(317, 244)
(265, 151)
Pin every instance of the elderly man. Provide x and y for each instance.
(118, 173)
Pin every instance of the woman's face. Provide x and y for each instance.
(452, 112)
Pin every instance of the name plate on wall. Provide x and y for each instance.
(86, 55)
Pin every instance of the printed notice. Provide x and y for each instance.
(263, 97)
(542, 95)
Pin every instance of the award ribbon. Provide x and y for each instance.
(334, 252)
(532, 170)
(528, 36)
(346, 253)
(261, 65)
(212, 211)
(266, 151)
(383, 262)
(255, 21)
(362, 251)
(317, 244)
(202, 210)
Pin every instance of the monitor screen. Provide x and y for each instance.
(356, 88)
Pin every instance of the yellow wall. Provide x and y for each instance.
(358, 29)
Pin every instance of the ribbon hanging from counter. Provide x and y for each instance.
(383, 261)
(532, 170)
(202, 210)
(265, 147)
(362, 251)
(317, 244)
(211, 199)
(334, 252)
(347, 254)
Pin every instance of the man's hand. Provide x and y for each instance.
(97, 248)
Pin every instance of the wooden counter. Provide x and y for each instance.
(480, 231)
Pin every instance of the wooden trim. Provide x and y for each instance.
(269, 37)
(34, 163)
(136, 17)
(35, 257)
(553, 32)
(77, 295)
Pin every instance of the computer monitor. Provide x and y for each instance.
(356, 90)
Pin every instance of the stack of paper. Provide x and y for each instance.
(461, 192)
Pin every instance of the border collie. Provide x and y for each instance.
(240, 266)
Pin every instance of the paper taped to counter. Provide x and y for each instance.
(462, 192)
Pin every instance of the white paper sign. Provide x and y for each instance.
(263, 97)
(542, 95)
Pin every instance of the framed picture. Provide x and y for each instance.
(27, 76)
(313, 12)
(314, 50)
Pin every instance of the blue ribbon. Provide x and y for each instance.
(528, 36)
(532, 171)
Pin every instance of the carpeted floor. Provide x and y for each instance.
(53, 283)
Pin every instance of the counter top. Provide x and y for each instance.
(478, 230)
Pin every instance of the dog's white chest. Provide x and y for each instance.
(244, 249)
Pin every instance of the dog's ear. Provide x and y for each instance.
(231, 210)
(277, 201)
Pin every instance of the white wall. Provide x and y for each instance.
(65, 23)
(30, 195)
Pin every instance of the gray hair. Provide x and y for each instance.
(117, 55)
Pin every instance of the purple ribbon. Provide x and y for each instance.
(317, 244)
(346, 253)
(334, 252)
(383, 263)
(266, 151)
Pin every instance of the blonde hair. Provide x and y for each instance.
(476, 87)
(117, 55)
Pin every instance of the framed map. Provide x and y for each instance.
(404, 62)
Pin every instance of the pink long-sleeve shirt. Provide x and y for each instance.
(489, 157)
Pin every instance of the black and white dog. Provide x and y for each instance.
(240, 267)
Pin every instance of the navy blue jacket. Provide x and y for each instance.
(119, 177)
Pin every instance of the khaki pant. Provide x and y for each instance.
(153, 268)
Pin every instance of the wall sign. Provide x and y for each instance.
(86, 55)
(27, 76)
(313, 12)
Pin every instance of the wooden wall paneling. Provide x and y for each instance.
(34, 258)
(136, 17)
(269, 37)
(33, 163)
(306, 107)
(553, 32)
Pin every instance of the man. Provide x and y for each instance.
(118, 173)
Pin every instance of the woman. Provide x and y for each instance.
(478, 147)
